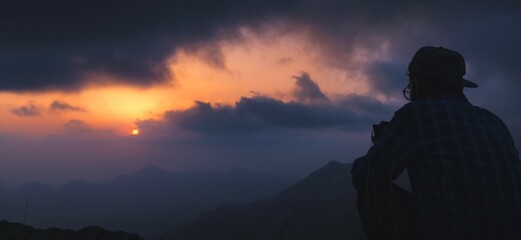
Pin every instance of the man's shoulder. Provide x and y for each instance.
(455, 105)
(414, 107)
(436, 105)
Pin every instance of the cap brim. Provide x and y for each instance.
(466, 83)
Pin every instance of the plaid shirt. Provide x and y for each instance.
(464, 169)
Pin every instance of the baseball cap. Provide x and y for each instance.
(444, 64)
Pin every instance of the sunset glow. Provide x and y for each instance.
(259, 64)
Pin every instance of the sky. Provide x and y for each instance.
(273, 86)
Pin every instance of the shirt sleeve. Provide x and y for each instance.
(388, 157)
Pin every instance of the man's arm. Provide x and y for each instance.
(387, 158)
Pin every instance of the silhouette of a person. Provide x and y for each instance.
(464, 169)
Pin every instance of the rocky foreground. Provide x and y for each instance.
(17, 231)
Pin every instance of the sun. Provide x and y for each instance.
(135, 132)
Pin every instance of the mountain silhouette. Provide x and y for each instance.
(149, 202)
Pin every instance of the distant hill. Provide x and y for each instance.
(321, 206)
(150, 201)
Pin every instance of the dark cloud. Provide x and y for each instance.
(388, 78)
(59, 44)
(64, 106)
(254, 114)
(76, 126)
(295, 114)
(262, 113)
(306, 90)
(366, 105)
(205, 118)
(32, 110)
(29, 110)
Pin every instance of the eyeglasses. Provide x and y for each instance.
(407, 90)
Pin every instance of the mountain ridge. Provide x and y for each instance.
(148, 201)
(320, 206)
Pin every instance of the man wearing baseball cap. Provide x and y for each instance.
(464, 169)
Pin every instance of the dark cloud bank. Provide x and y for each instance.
(59, 44)
(311, 109)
